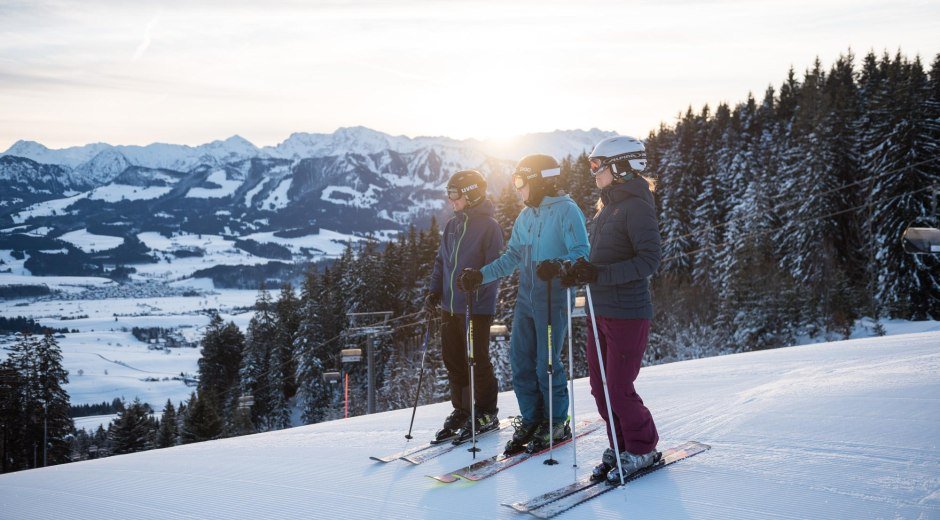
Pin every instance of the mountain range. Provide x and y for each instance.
(352, 181)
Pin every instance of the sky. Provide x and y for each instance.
(190, 72)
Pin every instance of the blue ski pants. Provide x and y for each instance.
(529, 361)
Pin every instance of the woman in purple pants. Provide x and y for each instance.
(625, 251)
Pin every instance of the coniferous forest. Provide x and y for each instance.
(781, 218)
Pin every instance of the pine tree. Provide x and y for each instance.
(26, 433)
(677, 198)
(222, 347)
(100, 445)
(11, 408)
(284, 370)
(37, 404)
(258, 358)
(508, 207)
(712, 204)
(313, 393)
(813, 220)
(52, 379)
(288, 321)
(579, 183)
(168, 435)
(897, 143)
(131, 431)
(202, 421)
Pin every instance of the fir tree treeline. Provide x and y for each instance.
(34, 407)
(136, 428)
(783, 216)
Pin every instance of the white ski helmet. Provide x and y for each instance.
(625, 155)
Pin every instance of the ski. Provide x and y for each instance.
(563, 499)
(412, 451)
(582, 483)
(493, 465)
(436, 450)
(403, 453)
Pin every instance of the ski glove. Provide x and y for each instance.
(431, 302)
(548, 269)
(469, 280)
(584, 272)
(567, 277)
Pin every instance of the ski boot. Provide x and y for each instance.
(451, 425)
(608, 462)
(540, 441)
(520, 437)
(630, 464)
(485, 422)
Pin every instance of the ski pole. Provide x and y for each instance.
(600, 361)
(427, 335)
(551, 427)
(574, 436)
(473, 406)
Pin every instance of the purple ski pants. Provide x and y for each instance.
(623, 343)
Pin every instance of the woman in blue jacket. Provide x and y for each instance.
(625, 252)
(471, 238)
(549, 230)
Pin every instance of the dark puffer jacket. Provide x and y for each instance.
(472, 238)
(625, 243)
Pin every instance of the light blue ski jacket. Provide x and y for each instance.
(553, 231)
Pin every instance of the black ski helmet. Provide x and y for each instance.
(541, 172)
(469, 184)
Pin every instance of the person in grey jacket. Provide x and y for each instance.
(471, 239)
(625, 252)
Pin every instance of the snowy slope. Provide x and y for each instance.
(89, 242)
(835, 430)
(104, 359)
(107, 364)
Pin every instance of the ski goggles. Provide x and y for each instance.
(523, 176)
(454, 193)
(598, 166)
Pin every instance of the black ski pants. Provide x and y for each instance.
(454, 351)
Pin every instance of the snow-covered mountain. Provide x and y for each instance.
(355, 140)
(358, 139)
(87, 161)
(835, 430)
(71, 157)
(352, 180)
(102, 168)
(25, 181)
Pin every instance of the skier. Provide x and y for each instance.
(625, 251)
(470, 239)
(548, 231)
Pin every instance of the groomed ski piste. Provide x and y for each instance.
(847, 429)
